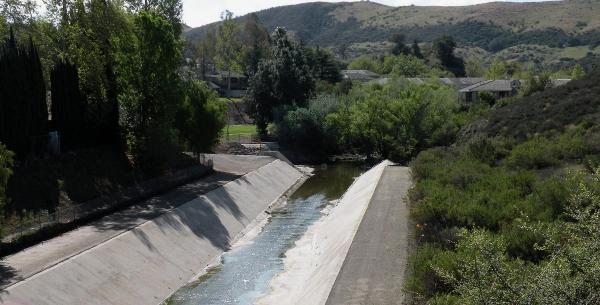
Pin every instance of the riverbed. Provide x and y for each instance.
(246, 271)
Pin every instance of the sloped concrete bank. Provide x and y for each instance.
(311, 267)
(148, 263)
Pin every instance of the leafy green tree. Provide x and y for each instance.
(474, 68)
(323, 65)
(284, 79)
(308, 130)
(416, 50)
(17, 12)
(537, 83)
(149, 83)
(396, 121)
(171, 10)
(201, 117)
(206, 53)
(444, 49)
(256, 44)
(3, 27)
(577, 72)
(405, 66)
(365, 62)
(497, 70)
(228, 53)
(399, 41)
(90, 37)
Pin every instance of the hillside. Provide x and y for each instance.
(492, 26)
(554, 110)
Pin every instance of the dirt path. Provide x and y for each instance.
(22, 265)
(374, 268)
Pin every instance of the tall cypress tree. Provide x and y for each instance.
(68, 107)
(23, 108)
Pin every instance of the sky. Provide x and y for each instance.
(201, 12)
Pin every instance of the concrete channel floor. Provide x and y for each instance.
(22, 265)
(374, 267)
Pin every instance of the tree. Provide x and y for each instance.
(147, 74)
(342, 50)
(322, 65)
(537, 83)
(444, 49)
(206, 53)
(201, 117)
(577, 72)
(474, 68)
(365, 62)
(17, 12)
(68, 107)
(307, 129)
(256, 44)
(23, 108)
(404, 66)
(90, 35)
(395, 121)
(399, 44)
(284, 79)
(497, 70)
(228, 46)
(171, 10)
(416, 50)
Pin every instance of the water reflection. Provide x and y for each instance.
(246, 272)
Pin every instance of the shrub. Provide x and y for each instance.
(487, 98)
(6, 163)
(536, 153)
(397, 120)
(422, 278)
(201, 118)
(307, 129)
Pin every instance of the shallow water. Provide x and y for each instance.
(246, 272)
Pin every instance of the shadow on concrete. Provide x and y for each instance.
(202, 221)
(8, 275)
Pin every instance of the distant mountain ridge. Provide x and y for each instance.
(491, 26)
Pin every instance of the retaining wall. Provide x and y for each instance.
(147, 264)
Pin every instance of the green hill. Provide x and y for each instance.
(492, 26)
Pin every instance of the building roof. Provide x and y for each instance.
(474, 84)
(458, 82)
(213, 85)
(225, 74)
(364, 75)
(560, 82)
(496, 85)
(461, 82)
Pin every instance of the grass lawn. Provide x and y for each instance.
(241, 133)
(240, 130)
(228, 100)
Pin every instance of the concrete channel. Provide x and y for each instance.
(353, 253)
(147, 263)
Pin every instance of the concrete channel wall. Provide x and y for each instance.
(147, 264)
(311, 267)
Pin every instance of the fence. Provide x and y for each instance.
(100, 206)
